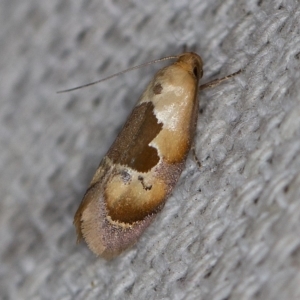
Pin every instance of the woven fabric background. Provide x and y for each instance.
(231, 229)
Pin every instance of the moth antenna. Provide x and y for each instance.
(117, 74)
(218, 81)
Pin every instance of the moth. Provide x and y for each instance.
(143, 165)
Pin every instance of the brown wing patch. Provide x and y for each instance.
(157, 89)
(131, 147)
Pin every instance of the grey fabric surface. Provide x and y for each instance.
(231, 229)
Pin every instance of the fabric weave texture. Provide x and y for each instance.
(231, 229)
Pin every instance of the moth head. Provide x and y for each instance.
(192, 62)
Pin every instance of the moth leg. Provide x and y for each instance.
(197, 160)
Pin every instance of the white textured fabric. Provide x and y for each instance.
(231, 229)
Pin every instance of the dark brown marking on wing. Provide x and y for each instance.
(131, 147)
(157, 89)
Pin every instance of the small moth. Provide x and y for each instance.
(143, 165)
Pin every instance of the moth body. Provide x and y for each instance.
(144, 163)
